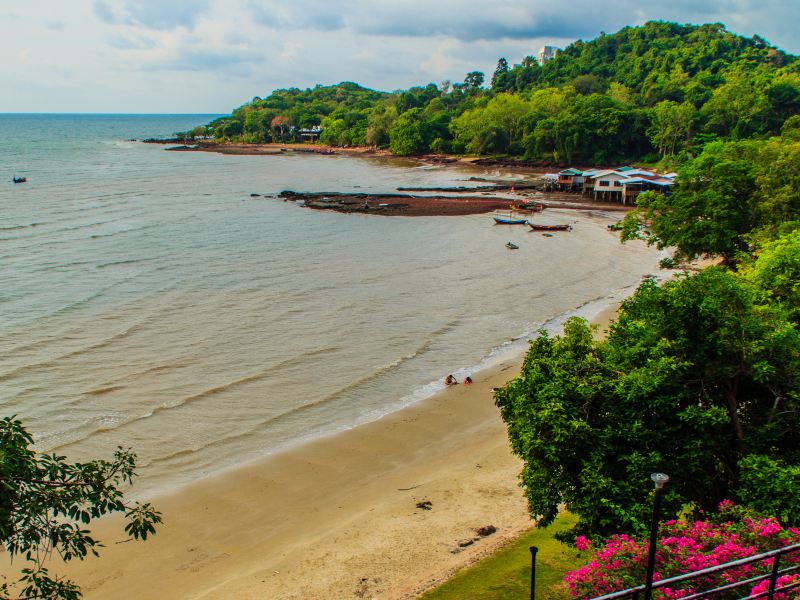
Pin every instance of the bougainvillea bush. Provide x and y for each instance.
(728, 535)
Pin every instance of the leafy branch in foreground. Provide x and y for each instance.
(45, 502)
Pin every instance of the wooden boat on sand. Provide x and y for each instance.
(538, 227)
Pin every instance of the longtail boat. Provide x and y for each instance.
(507, 221)
(512, 246)
(20, 179)
(538, 227)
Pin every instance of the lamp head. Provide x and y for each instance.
(659, 479)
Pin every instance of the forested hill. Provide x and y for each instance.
(643, 93)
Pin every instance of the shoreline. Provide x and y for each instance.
(337, 516)
(502, 194)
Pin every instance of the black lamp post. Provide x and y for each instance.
(659, 479)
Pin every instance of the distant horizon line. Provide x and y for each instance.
(143, 114)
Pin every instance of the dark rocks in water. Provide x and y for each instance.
(425, 505)
(444, 160)
(497, 187)
(486, 530)
(182, 148)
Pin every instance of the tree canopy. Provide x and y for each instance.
(696, 375)
(726, 200)
(659, 89)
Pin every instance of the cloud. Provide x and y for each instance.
(196, 59)
(439, 63)
(290, 50)
(300, 14)
(131, 42)
(469, 21)
(152, 14)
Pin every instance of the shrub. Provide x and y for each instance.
(683, 547)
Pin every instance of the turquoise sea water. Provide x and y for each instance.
(148, 301)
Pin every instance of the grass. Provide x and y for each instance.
(506, 574)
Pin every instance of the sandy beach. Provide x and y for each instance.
(338, 517)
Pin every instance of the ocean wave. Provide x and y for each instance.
(131, 329)
(131, 261)
(207, 393)
(18, 227)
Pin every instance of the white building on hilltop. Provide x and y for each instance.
(546, 53)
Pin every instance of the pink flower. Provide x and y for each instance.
(684, 547)
(581, 543)
(768, 527)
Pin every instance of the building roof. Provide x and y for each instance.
(606, 173)
(571, 171)
(660, 181)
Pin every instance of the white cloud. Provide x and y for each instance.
(211, 55)
(439, 63)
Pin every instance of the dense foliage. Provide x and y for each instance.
(696, 375)
(45, 504)
(658, 89)
(683, 547)
(730, 198)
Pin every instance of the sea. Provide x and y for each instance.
(147, 300)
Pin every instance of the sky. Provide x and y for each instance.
(209, 56)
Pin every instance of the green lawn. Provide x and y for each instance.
(506, 574)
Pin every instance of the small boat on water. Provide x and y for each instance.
(538, 227)
(511, 246)
(20, 179)
(509, 221)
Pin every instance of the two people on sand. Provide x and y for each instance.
(451, 380)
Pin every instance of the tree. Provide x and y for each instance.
(46, 502)
(694, 376)
(588, 84)
(500, 79)
(731, 195)
(671, 126)
(776, 272)
(408, 134)
(281, 125)
(474, 80)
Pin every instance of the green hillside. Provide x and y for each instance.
(643, 93)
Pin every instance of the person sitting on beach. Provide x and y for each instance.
(450, 380)
(468, 381)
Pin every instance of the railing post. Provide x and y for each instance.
(773, 578)
(534, 550)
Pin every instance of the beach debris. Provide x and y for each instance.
(362, 589)
(486, 530)
(425, 505)
(413, 487)
(465, 543)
